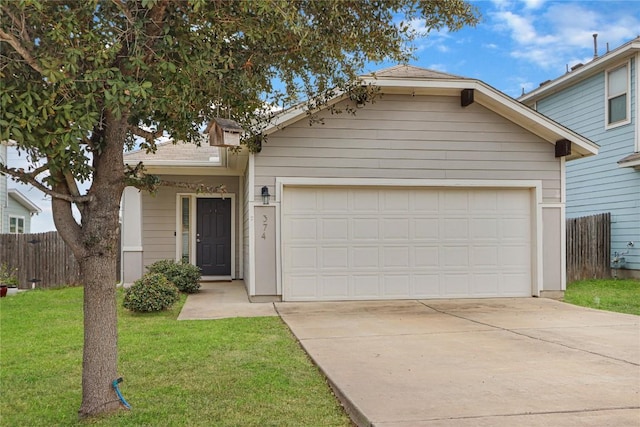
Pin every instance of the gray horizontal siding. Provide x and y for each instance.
(421, 137)
(596, 184)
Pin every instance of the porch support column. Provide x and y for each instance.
(132, 264)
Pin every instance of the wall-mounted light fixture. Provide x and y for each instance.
(265, 195)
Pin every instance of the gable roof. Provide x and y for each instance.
(407, 79)
(410, 71)
(24, 201)
(598, 65)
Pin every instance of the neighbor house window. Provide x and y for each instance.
(618, 95)
(16, 224)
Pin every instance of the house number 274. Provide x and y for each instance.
(265, 224)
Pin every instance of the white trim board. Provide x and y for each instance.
(192, 222)
(536, 206)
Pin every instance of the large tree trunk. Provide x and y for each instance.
(100, 356)
(95, 245)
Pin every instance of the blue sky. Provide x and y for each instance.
(518, 45)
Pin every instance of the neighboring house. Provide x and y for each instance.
(600, 101)
(17, 216)
(442, 188)
(15, 208)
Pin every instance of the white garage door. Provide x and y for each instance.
(347, 243)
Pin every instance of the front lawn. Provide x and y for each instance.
(232, 372)
(622, 295)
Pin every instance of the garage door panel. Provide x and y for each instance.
(426, 229)
(366, 286)
(334, 287)
(425, 285)
(425, 203)
(395, 256)
(515, 228)
(426, 257)
(485, 257)
(365, 229)
(303, 258)
(486, 229)
(303, 229)
(395, 228)
(405, 243)
(454, 229)
(397, 201)
(334, 229)
(486, 284)
(306, 287)
(333, 257)
(365, 257)
(365, 200)
(454, 257)
(455, 285)
(396, 285)
(514, 256)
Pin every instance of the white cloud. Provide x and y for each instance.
(438, 67)
(555, 33)
(533, 4)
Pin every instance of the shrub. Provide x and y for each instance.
(184, 275)
(152, 292)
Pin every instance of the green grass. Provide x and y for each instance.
(231, 372)
(622, 295)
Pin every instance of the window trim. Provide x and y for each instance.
(627, 120)
(18, 218)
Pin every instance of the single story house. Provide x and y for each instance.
(444, 187)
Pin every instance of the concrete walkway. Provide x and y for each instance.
(220, 300)
(495, 362)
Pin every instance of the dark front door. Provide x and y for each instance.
(213, 238)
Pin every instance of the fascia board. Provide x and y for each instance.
(295, 113)
(23, 200)
(191, 171)
(599, 64)
(530, 119)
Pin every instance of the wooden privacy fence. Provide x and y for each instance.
(42, 256)
(588, 247)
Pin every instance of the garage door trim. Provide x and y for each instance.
(536, 205)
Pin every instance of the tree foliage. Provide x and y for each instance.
(81, 79)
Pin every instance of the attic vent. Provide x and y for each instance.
(578, 65)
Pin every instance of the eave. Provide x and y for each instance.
(24, 201)
(596, 66)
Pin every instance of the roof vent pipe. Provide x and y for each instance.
(595, 45)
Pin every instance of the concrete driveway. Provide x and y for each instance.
(494, 362)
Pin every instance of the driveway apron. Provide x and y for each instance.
(493, 362)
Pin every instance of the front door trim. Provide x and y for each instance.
(192, 229)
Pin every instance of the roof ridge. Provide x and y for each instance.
(412, 71)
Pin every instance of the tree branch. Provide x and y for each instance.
(18, 23)
(147, 135)
(123, 7)
(30, 178)
(199, 188)
(20, 50)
